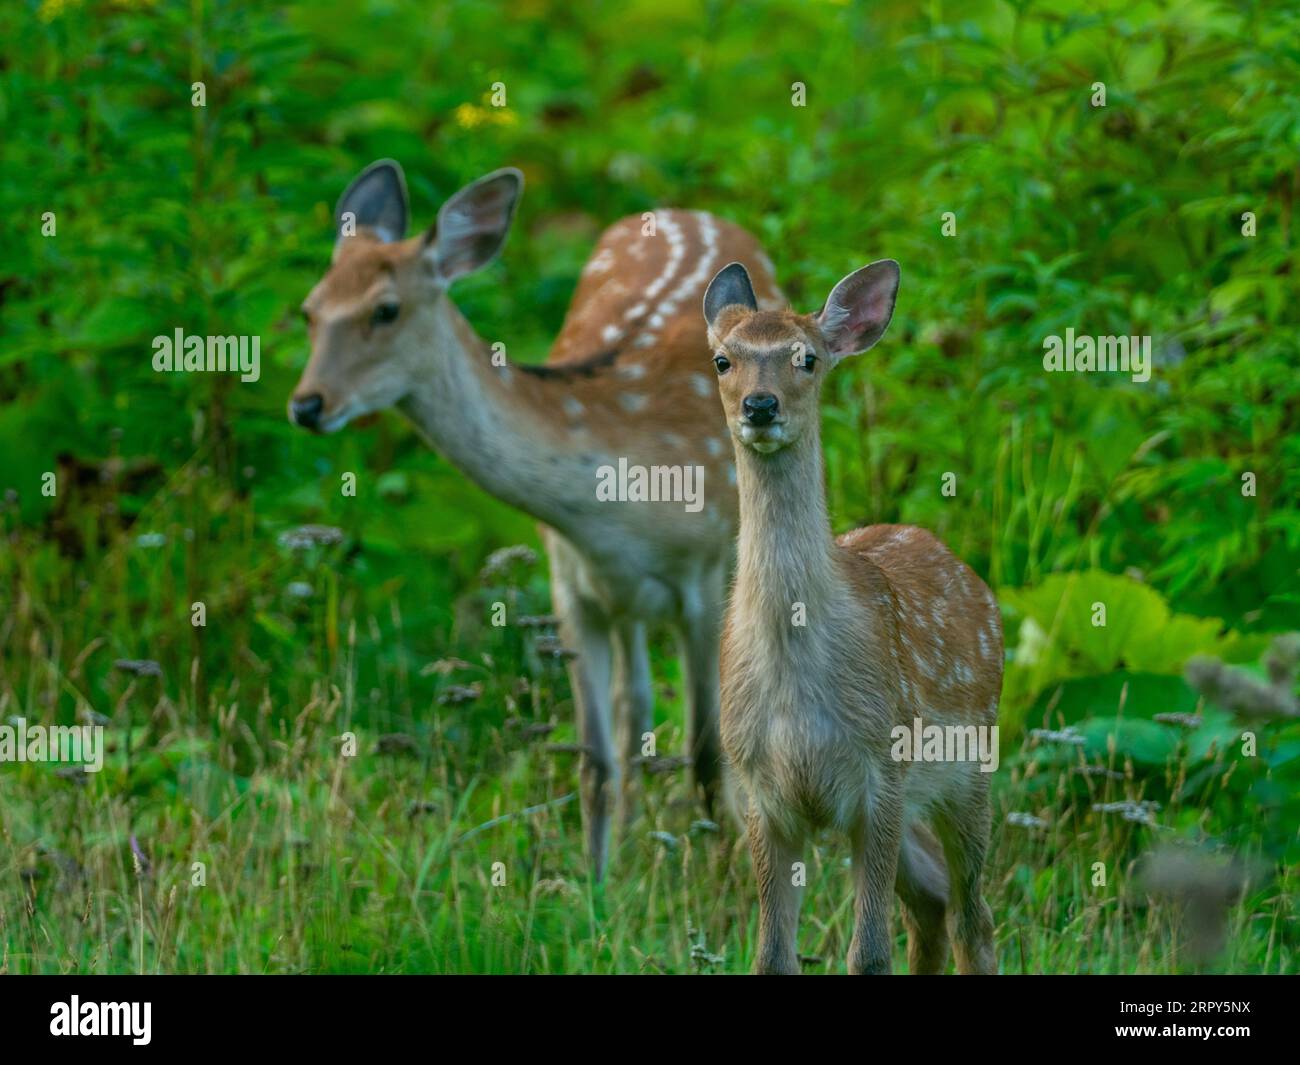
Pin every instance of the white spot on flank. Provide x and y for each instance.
(715, 446)
(603, 262)
(708, 230)
(635, 312)
(631, 401)
(610, 334)
(731, 473)
(984, 642)
(676, 248)
(672, 440)
(572, 407)
(702, 384)
(645, 340)
(631, 371)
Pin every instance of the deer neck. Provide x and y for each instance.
(493, 424)
(785, 554)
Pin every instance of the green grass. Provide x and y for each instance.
(1121, 220)
(317, 862)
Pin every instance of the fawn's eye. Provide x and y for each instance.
(384, 313)
(721, 363)
(807, 361)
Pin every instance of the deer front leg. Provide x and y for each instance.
(876, 838)
(778, 897)
(633, 698)
(589, 675)
(585, 629)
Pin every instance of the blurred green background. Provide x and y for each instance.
(1124, 219)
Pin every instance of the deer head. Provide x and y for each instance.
(375, 318)
(770, 364)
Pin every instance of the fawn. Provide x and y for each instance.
(625, 381)
(831, 646)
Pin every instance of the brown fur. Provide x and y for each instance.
(537, 439)
(895, 628)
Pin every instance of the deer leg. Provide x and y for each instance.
(700, 634)
(633, 699)
(876, 840)
(778, 897)
(964, 829)
(923, 888)
(585, 630)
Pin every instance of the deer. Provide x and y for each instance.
(623, 381)
(832, 645)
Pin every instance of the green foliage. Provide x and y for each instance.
(1126, 219)
(1091, 623)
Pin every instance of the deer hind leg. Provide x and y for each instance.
(633, 699)
(964, 826)
(923, 888)
(585, 629)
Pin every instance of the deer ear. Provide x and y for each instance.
(473, 224)
(730, 287)
(375, 199)
(859, 308)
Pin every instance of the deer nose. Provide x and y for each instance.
(760, 408)
(306, 411)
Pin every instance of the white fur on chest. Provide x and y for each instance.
(797, 736)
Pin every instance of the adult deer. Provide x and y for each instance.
(625, 380)
(831, 647)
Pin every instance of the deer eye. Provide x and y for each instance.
(384, 313)
(721, 363)
(808, 361)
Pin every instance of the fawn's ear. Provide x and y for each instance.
(376, 199)
(473, 224)
(730, 287)
(859, 308)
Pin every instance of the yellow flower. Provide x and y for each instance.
(52, 9)
(469, 116)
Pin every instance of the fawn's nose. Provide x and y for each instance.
(760, 408)
(306, 411)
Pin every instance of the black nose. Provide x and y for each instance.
(760, 408)
(306, 411)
